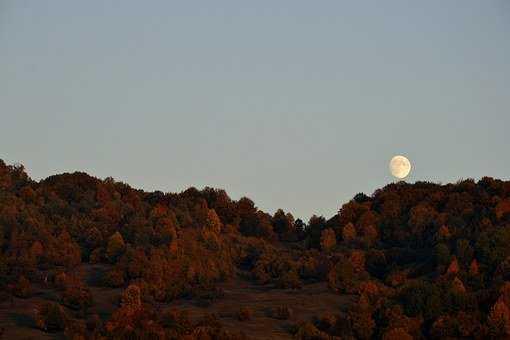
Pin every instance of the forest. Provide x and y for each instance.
(86, 258)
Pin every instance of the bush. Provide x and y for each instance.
(176, 320)
(341, 276)
(94, 323)
(280, 312)
(244, 314)
(23, 289)
(77, 297)
(116, 247)
(289, 280)
(114, 278)
(132, 296)
(51, 317)
(307, 331)
(326, 322)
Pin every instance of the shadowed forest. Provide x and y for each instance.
(84, 258)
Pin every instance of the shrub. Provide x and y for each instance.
(76, 330)
(132, 296)
(326, 322)
(396, 334)
(341, 276)
(307, 331)
(176, 320)
(289, 280)
(116, 247)
(51, 317)
(280, 312)
(114, 278)
(244, 314)
(23, 289)
(77, 297)
(328, 239)
(94, 323)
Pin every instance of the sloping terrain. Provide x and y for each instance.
(85, 258)
(17, 315)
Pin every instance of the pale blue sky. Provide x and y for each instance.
(297, 104)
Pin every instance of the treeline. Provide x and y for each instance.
(424, 260)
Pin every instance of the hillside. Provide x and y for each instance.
(84, 258)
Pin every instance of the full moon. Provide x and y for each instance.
(400, 167)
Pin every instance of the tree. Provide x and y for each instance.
(422, 217)
(357, 258)
(474, 268)
(77, 297)
(132, 297)
(315, 226)
(458, 286)
(51, 317)
(94, 238)
(244, 314)
(370, 235)
(453, 268)
(213, 221)
(499, 320)
(23, 288)
(328, 239)
(288, 280)
(348, 232)
(397, 334)
(505, 293)
(464, 251)
(442, 254)
(37, 249)
(116, 246)
(502, 209)
(340, 277)
(443, 233)
(361, 319)
(282, 223)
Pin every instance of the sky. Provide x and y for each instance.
(296, 104)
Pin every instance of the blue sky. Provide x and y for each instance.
(296, 104)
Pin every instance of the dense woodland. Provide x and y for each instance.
(420, 260)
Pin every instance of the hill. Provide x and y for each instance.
(85, 258)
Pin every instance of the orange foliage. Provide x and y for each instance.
(397, 334)
(499, 319)
(473, 268)
(444, 232)
(458, 286)
(453, 268)
(502, 209)
(348, 232)
(357, 259)
(328, 239)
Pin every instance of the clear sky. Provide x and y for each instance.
(297, 104)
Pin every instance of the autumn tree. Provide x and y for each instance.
(132, 297)
(348, 232)
(341, 276)
(213, 221)
(116, 246)
(23, 288)
(51, 317)
(396, 334)
(499, 320)
(361, 319)
(315, 226)
(453, 268)
(328, 239)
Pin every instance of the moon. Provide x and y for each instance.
(400, 167)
